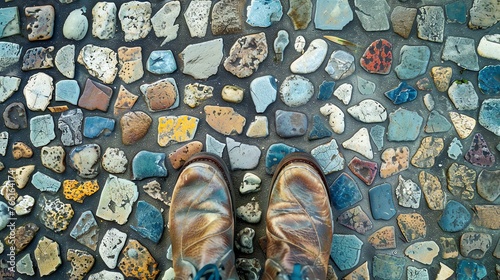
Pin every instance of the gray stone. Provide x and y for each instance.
(135, 19)
(104, 20)
(202, 60)
(65, 61)
(9, 54)
(484, 14)
(25, 265)
(196, 17)
(76, 25)
(296, 91)
(227, 17)
(373, 14)
(70, 123)
(311, 59)
(280, 44)
(339, 14)
(404, 125)
(329, 157)
(463, 95)
(86, 230)
(430, 23)
(263, 91)
(408, 193)
(340, 65)
(8, 85)
(290, 124)
(163, 21)
(413, 62)
(365, 87)
(377, 134)
(462, 51)
(402, 19)
(242, 156)
(475, 244)
(437, 123)
(42, 130)
(246, 54)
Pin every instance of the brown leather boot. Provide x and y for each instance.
(201, 220)
(299, 221)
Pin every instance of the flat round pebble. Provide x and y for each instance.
(290, 124)
(76, 25)
(242, 156)
(84, 159)
(296, 91)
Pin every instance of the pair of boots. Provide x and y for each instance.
(298, 222)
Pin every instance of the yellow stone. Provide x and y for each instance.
(464, 125)
(137, 262)
(47, 256)
(484, 214)
(444, 272)
(77, 191)
(442, 77)
(176, 129)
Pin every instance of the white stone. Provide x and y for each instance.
(4, 142)
(311, 59)
(408, 193)
(101, 62)
(104, 20)
(164, 21)
(368, 111)
(65, 61)
(202, 60)
(196, 17)
(444, 272)
(489, 45)
(336, 117)
(250, 212)
(106, 275)
(360, 143)
(24, 205)
(21, 175)
(429, 102)
(117, 198)
(423, 252)
(76, 25)
(455, 148)
(258, 128)
(300, 43)
(340, 65)
(8, 85)
(250, 183)
(111, 245)
(114, 160)
(169, 274)
(344, 93)
(135, 19)
(38, 91)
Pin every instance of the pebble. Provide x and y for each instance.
(404, 125)
(433, 192)
(111, 245)
(81, 263)
(311, 59)
(373, 14)
(408, 193)
(383, 238)
(4, 142)
(84, 160)
(244, 240)
(263, 91)
(4, 215)
(488, 115)
(76, 25)
(430, 23)
(262, 13)
(280, 44)
(137, 262)
(106, 275)
(162, 61)
(70, 124)
(179, 156)
(242, 156)
(442, 77)
(488, 45)
(135, 19)
(78, 191)
(290, 124)
(461, 51)
(461, 181)
(402, 19)
(475, 244)
(362, 272)
(38, 91)
(481, 15)
(232, 93)
(336, 118)
(467, 269)
(250, 212)
(9, 54)
(47, 256)
(339, 15)
(429, 102)
(248, 268)
(296, 91)
(444, 272)
(149, 221)
(21, 150)
(319, 129)
(38, 58)
(344, 93)
(54, 214)
(356, 219)
(394, 160)
(224, 120)
(212, 145)
(25, 265)
(344, 192)
(413, 62)
(86, 230)
(163, 22)
(449, 246)
(299, 44)
(24, 205)
(300, 12)
(40, 22)
(455, 217)
(486, 80)
(360, 143)
(250, 183)
(429, 149)
(41, 130)
(377, 135)
(153, 189)
(8, 85)
(388, 267)
(363, 169)
(196, 17)
(479, 154)
(147, 164)
(130, 64)
(368, 111)
(275, 153)
(101, 62)
(96, 126)
(326, 90)
(455, 148)
(104, 20)
(346, 250)
(227, 17)
(381, 202)
(464, 125)
(377, 58)
(202, 60)
(10, 22)
(68, 91)
(195, 93)
(117, 191)
(463, 95)
(53, 158)
(21, 175)
(95, 96)
(487, 186)
(329, 157)
(340, 65)
(161, 95)
(259, 128)
(456, 12)
(483, 214)
(437, 123)
(246, 54)
(134, 126)
(423, 252)
(124, 101)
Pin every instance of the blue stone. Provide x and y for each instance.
(214, 146)
(148, 164)
(339, 14)
(414, 60)
(344, 192)
(45, 183)
(470, 270)
(404, 125)
(455, 217)
(319, 129)
(346, 250)
(388, 267)
(381, 202)
(68, 90)
(437, 123)
(161, 62)
(488, 80)
(402, 94)
(275, 153)
(489, 115)
(42, 130)
(149, 221)
(95, 126)
(326, 90)
(456, 12)
(290, 124)
(263, 91)
(261, 13)
(377, 134)
(329, 157)
(9, 22)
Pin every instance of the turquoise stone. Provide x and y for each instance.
(68, 90)
(149, 221)
(388, 267)
(404, 125)
(9, 54)
(319, 129)
(437, 123)
(161, 62)
(9, 22)
(377, 134)
(414, 60)
(326, 90)
(339, 16)
(263, 91)
(42, 130)
(381, 202)
(344, 192)
(45, 183)
(455, 217)
(261, 13)
(95, 126)
(402, 94)
(489, 115)
(456, 12)
(148, 164)
(470, 270)
(489, 80)
(275, 153)
(329, 157)
(346, 250)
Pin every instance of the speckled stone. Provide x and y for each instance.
(275, 153)
(21, 150)
(433, 192)
(81, 263)
(336, 118)
(153, 189)
(483, 214)
(4, 216)
(55, 214)
(429, 149)
(202, 60)
(394, 161)
(4, 142)
(224, 120)
(263, 13)
(329, 157)
(402, 19)
(41, 130)
(474, 245)
(180, 155)
(263, 91)
(196, 17)
(437, 123)
(296, 91)
(106, 275)
(488, 115)
(487, 184)
(137, 262)
(482, 14)
(340, 65)
(383, 238)
(47, 256)
(442, 77)
(23, 236)
(361, 272)
(86, 230)
(11, 52)
(147, 164)
(461, 181)
(104, 20)
(356, 219)
(195, 93)
(464, 125)
(176, 129)
(38, 58)
(111, 245)
(290, 124)
(124, 101)
(479, 154)
(455, 217)
(24, 205)
(250, 183)
(117, 191)
(242, 156)
(423, 252)
(381, 202)
(38, 91)
(412, 226)
(246, 54)
(130, 64)
(345, 251)
(101, 62)
(135, 19)
(84, 160)
(364, 170)
(78, 191)
(368, 111)
(311, 59)
(70, 124)
(227, 17)
(388, 267)
(344, 192)
(53, 158)
(40, 22)
(149, 221)
(430, 23)
(161, 95)
(258, 128)
(377, 58)
(163, 21)
(462, 51)
(449, 246)
(21, 175)
(134, 126)
(250, 212)
(244, 240)
(214, 146)
(463, 95)
(76, 25)
(408, 193)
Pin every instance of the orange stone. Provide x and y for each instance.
(412, 226)
(180, 156)
(21, 150)
(394, 161)
(384, 238)
(77, 191)
(124, 101)
(134, 126)
(377, 58)
(224, 120)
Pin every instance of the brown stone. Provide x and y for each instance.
(14, 116)
(161, 95)
(412, 226)
(95, 96)
(134, 126)
(181, 155)
(246, 54)
(21, 150)
(429, 149)
(394, 161)
(433, 192)
(442, 77)
(227, 17)
(40, 22)
(402, 20)
(384, 238)
(461, 180)
(124, 101)
(137, 262)
(449, 245)
(78, 191)
(22, 237)
(58, 109)
(81, 263)
(130, 63)
(153, 189)
(38, 58)
(224, 120)
(364, 169)
(487, 216)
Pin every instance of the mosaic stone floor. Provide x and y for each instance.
(398, 100)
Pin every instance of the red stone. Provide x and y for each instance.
(377, 58)
(95, 96)
(364, 170)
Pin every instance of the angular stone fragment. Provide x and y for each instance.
(124, 101)
(463, 95)
(377, 133)
(402, 19)
(81, 263)
(9, 22)
(483, 216)
(250, 212)
(246, 54)
(340, 65)
(95, 96)
(444, 272)
(360, 142)
(178, 157)
(195, 93)
(68, 90)
(242, 156)
(21, 175)
(21, 150)
(258, 128)
(196, 17)
(84, 160)
(104, 20)
(377, 58)
(76, 25)
(111, 245)
(483, 14)
(275, 153)
(343, 93)
(413, 61)
(329, 157)
(8, 85)
(227, 17)
(344, 192)
(163, 21)
(4, 142)
(42, 130)
(346, 250)
(47, 256)
(464, 125)
(404, 125)
(311, 59)
(38, 91)
(153, 189)
(300, 13)
(86, 230)
(433, 192)
(78, 191)
(38, 58)
(462, 51)
(263, 91)
(363, 169)
(394, 161)
(487, 184)
(373, 14)
(130, 64)
(430, 23)
(319, 129)
(402, 93)
(137, 262)
(388, 267)
(55, 214)
(488, 45)
(116, 200)
(442, 77)
(475, 245)
(176, 129)
(368, 111)
(487, 80)
(455, 148)
(422, 252)
(412, 226)
(467, 269)
(408, 193)
(383, 238)
(436, 123)
(202, 60)
(23, 235)
(429, 149)
(149, 221)
(479, 154)
(356, 219)
(101, 62)
(455, 217)
(25, 265)
(488, 115)
(134, 126)
(224, 120)
(114, 160)
(10, 54)
(135, 19)
(53, 158)
(70, 123)
(461, 181)
(263, 13)
(327, 15)
(449, 247)
(40, 22)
